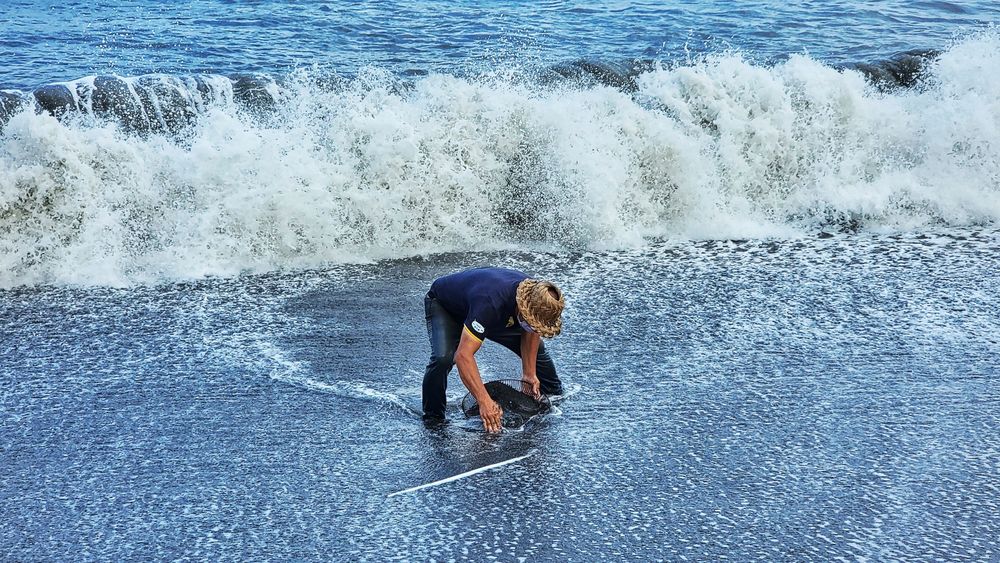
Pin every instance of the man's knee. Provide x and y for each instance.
(546, 370)
(441, 363)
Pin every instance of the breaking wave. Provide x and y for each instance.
(110, 180)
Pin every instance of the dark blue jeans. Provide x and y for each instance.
(444, 333)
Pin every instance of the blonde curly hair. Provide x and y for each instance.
(540, 303)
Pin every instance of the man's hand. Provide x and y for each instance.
(531, 386)
(492, 415)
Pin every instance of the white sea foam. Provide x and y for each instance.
(719, 148)
(352, 390)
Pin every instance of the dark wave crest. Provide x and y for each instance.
(153, 103)
(903, 70)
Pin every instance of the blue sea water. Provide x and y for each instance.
(776, 225)
(50, 41)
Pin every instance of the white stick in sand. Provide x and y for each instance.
(461, 475)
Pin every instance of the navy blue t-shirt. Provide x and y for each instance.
(484, 299)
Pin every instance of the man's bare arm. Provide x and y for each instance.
(530, 342)
(468, 371)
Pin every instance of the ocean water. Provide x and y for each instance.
(776, 225)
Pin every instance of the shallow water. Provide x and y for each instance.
(772, 399)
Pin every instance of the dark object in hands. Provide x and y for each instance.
(517, 406)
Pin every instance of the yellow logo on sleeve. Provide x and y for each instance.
(510, 322)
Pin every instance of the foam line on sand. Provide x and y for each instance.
(461, 475)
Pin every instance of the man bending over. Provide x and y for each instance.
(505, 306)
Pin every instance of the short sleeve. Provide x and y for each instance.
(477, 323)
